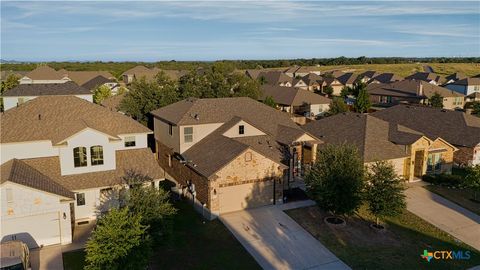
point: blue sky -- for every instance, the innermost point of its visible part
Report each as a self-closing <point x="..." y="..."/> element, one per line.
<point x="187" y="30"/>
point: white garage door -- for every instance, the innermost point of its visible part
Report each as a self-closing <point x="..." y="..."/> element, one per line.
<point x="37" y="230"/>
<point x="239" y="197"/>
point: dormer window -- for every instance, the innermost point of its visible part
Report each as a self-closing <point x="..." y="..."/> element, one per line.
<point x="80" y="157"/>
<point x="241" y="129"/>
<point x="96" y="154"/>
<point x="130" y="141"/>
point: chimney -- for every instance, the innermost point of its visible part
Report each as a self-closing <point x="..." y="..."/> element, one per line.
<point x="420" y="90"/>
<point x="39" y="117"/>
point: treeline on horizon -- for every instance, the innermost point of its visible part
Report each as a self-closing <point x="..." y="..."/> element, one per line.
<point x="117" y="68"/>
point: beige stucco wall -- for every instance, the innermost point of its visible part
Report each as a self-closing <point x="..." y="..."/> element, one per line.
<point x="249" y="130"/>
<point x="199" y="132"/>
<point x="451" y="103"/>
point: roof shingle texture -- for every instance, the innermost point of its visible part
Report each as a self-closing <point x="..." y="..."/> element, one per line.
<point x="47" y="89"/>
<point x="292" y="96"/>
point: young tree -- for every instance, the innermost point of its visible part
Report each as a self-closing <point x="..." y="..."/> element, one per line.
<point x="362" y="103"/>
<point x="151" y="203"/>
<point x="9" y="83"/>
<point x="436" y="100"/>
<point x="472" y="180"/>
<point x="145" y="96"/>
<point x="335" y="180"/>
<point x="270" y="102"/>
<point x="345" y="92"/>
<point x="476" y="108"/>
<point x="100" y="93"/>
<point x="328" y="90"/>
<point x="337" y="105"/>
<point x="384" y="190"/>
<point x="119" y="241"/>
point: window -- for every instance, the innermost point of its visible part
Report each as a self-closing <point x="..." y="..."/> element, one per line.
<point x="80" y="156"/>
<point x="434" y="163"/>
<point x="248" y="156"/>
<point x="96" y="154"/>
<point x="241" y="129"/>
<point x="9" y="195"/>
<point x="476" y="88"/>
<point x="80" y="199"/>
<point x="130" y="141"/>
<point x="188" y="134"/>
<point x="170" y="129"/>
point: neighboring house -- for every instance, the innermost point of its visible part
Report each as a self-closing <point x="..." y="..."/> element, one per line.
<point x="313" y="82"/>
<point x="410" y="152"/>
<point x="304" y="71"/>
<point x="299" y="83"/>
<point x="457" y="128"/>
<point x="412" y="91"/>
<point x="63" y="159"/>
<point x="5" y="73"/>
<point x="44" y="75"/>
<point x="366" y="76"/>
<point x="25" y="92"/>
<point x="82" y="77"/>
<point x="427" y="77"/>
<point x="475" y="96"/>
<point x="347" y="79"/>
<point x="385" y="78"/>
<point x="229" y="154"/>
<point x="336" y="85"/>
<point x="297" y="101"/>
<point x="277" y="78"/>
<point x="290" y="72"/>
<point x="454" y="77"/>
<point x="253" y="73"/>
<point x="149" y="74"/>
<point x="465" y="86"/>
<point x="101" y="80"/>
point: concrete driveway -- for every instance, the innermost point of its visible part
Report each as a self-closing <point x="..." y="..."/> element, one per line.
<point x="277" y="242"/>
<point x="442" y="213"/>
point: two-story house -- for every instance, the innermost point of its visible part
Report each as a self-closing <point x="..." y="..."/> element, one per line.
<point x="44" y="74"/>
<point x="62" y="160"/>
<point x="411" y="153"/>
<point x="25" y="92"/>
<point x="467" y="86"/>
<point x="457" y="128"/>
<point x="230" y="154"/>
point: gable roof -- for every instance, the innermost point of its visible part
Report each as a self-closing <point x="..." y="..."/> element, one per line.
<point x="410" y="88"/>
<point x="45" y="73"/>
<point x="312" y="78"/>
<point x="95" y="82"/>
<point x="467" y="81"/>
<point x="47" y="89"/>
<point x="292" y="96"/>
<point x="82" y="77"/>
<point x="369" y="74"/>
<point x="347" y="78"/>
<point x="424" y="76"/>
<point x="113" y="103"/>
<point x="386" y="78"/>
<point x="457" y="128"/>
<point x="56" y="118"/>
<point x="373" y="137"/>
<point x="455" y="76"/>
<point x="19" y="172"/>
<point x="275" y="77"/>
<point x="253" y="73"/>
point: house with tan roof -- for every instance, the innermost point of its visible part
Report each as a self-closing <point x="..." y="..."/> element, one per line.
<point x="277" y="78"/>
<point x="139" y="72"/>
<point x="385" y="77"/>
<point x="296" y="101"/>
<point x="43" y="75"/>
<point x="229" y="154"/>
<point x="466" y="86"/>
<point x="413" y="91"/>
<point x="457" y="128"/>
<point x="427" y="77"/>
<point x="330" y="81"/>
<point x="411" y="152"/>
<point x="63" y="159"/>
<point x="25" y="92"/>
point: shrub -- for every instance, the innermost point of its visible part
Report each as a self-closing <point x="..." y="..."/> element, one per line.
<point x="444" y="179"/>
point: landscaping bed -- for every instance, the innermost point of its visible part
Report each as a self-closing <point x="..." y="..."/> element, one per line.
<point x="397" y="247"/>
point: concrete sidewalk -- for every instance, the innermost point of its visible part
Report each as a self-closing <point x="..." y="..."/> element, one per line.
<point x="444" y="214"/>
<point x="277" y="242"/>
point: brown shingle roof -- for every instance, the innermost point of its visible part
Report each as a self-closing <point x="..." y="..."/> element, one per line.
<point x="424" y="76"/>
<point x="45" y="73"/>
<point x="457" y="128"/>
<point x="275" y="77"/>
<point x="468" y="81"/>
<point x="386" y="78"/>
<point x="113" y="103"/>
<point x="292" y="96"/>
<point x="138" y="160"/>
<point x="19" y="172"/>
<point x="47" y="89"/>
<point x="347" y="78"/>
<point x="371" y="135"/>
<point x="81" y="77"/>
<point x="96" y="82"/>
<point x="55" y="118"/>
<point x="410" y="88"/>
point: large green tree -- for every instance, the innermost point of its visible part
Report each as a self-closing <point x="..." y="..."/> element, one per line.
<point x="472" y="181"/>
<point x="476" y="108"/>
<point x="328" y="90"/>
<point x="101" y="93"/>
<point x="436" y="100"/>
<point x="384" y="190"/>
<point x="362" y="102"/>
<point x="119" y="241"/>
<point x="336" y="179"/>
<point x="10" y="82"/>
<point x="337" y="105"/>
<point x="145" y="96"/>
<point x="270" y="102"/>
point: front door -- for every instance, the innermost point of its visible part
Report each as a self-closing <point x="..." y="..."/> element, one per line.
<point x="418" y="169"/>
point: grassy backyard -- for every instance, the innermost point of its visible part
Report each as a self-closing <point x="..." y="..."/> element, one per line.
<point x="195" y="244"/>
<point x="399" y="247"/>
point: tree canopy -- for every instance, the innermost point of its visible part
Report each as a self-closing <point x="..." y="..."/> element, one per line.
<point x="472" y="180"/>
<point x="270" y="102"/>
<point x="362" y="102"/>
<point x="436" y="100"/>
<point x="101" y="93"/>
<point x="7" y="84"/>
<point x="337" y="105"/>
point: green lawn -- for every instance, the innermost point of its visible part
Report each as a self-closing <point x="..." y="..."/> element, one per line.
<point x="199" y="244"/>
<point x="462" y="197"/>
<point x="195" y="244"/>
<point x="399" y="247"/>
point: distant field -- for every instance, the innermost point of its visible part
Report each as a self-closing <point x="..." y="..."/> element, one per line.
<point x="469" y="69"/>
